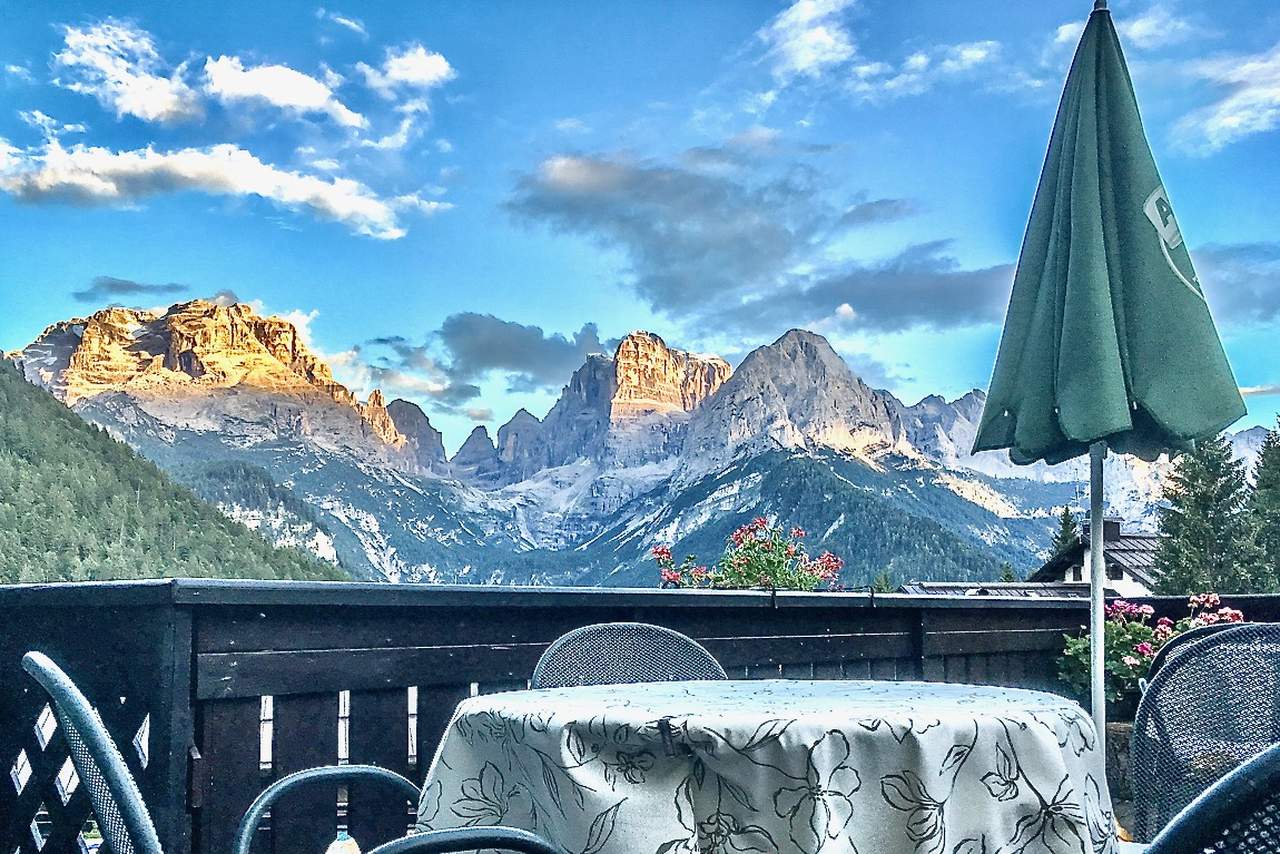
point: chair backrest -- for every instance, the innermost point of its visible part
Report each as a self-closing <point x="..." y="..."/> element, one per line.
<point x="1178" y="645"/>
<point x="623" y="653"/>
<point x="123" y="819"/>
<point x="1239" y="814"/>
<point x="1208" y="710"/>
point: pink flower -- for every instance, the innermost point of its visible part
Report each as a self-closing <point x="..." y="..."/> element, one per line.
<point x="699" y="572"/>
<point x="661" y="552"/>
<point x="797" y="533"/>
<point x="1164" y="623"/>
<point x="671" y="576"/>
<point x="1231" y="615"/>
<point x="1145" y="649"/>
<point x="1130" y="661"/>
<point x="1146" y="610"/>
<point x="759" y="523"/>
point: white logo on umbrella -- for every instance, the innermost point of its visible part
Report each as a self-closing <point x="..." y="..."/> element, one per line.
<point x="1160" y="213"/>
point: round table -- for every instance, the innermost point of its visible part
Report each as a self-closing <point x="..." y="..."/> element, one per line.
<point x="777" y="765"/>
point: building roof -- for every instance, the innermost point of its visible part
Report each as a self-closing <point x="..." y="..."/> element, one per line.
<point x="1008" y="589"/>
<point x="1133" y="553"/>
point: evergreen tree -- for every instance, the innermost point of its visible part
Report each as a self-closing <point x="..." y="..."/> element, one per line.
<point x="883" y="583"/>
<point x="1068" y="533"/>
<point x="1208" y="541"/>
<point x="1007" y="575"/>
<point x="1264" y="504"/>
<point x="76" y="505"/>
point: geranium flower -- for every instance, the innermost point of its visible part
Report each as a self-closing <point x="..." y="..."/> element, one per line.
<point x="1130" y="661"/>
<point x="1145" y="648"/>
<point x="661" y="552"/>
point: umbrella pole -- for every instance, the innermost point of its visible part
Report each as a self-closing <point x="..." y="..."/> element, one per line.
<point x="1097" y="585"/>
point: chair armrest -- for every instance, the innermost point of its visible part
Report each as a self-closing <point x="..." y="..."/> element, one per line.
<point x="328" y="774"/>
<point x="469" y="839"/>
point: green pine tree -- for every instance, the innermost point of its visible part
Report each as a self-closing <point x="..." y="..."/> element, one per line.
<point x="1209" y="541"/>
<point x="883" y="583"/>
<point x="1264" y="504"/>
<point x="1068" y="532"/>
<point x="1007" y="575"/>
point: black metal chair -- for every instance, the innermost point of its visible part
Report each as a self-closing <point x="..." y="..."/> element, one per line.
<point x="623" y="653"/>
<point x="127" y="827"/>
<point x="1178" y="645"/>
<point x="1239" y="814"/>
<point x="1208" y="710"/>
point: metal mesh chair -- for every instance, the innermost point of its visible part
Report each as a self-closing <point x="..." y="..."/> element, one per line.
<point x="1239" y="814"/>
<point x="1178" y="645"/>
<point x="126" y="825"/>
<point x="1208" y="710"/>
<point x="431" y="842"/>
<point x="623" y="653"/>
<point x="117" y="803"/>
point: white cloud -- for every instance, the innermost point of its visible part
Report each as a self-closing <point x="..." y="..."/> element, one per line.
<point x="1155" y="28"/>
<point x="48" y="125"/>
<point x="227" y="79"/>
<point x="94" y="175"/>
<point x="353" y="24"/>
<point x="301" y="321"/>
<point x="921" y="71"/>
<point x="571" y="125"/>
<point x="397" y="139"/>
<point x="118" y="64"/>
<point x="21" y="72"/>
<point x="807" y="38"/>
<point x="1250" y="103"/>
<point x="412" y="67"/>
<point x="444" y="146"/>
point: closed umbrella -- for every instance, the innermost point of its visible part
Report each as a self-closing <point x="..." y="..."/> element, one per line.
<point x="1108" y="341"/>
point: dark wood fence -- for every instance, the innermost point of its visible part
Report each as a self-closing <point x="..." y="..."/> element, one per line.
<point x="371" y="673"/>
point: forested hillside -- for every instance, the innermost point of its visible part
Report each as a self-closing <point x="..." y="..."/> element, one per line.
<point x="76" y="505"/>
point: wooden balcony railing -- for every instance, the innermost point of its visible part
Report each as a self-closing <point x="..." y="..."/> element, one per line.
<point x="371" y="673"/>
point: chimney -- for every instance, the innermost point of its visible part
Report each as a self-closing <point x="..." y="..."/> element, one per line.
<point x="1110" y="528"/>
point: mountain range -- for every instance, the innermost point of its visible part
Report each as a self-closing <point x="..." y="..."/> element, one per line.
<point x="650" y="444"/>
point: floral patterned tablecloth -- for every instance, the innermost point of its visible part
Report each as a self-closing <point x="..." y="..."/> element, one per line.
<point x="778" y="765"/>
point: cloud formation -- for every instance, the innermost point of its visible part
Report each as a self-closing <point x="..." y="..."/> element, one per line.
<point x="92" y="175"/>
<point x="412" y="67"/>
<point x="1248" y="102"/>
<point x="118" y="64"/>
<point x="480" y="343"/>
<point x="920" y="71"/>
<point x="1241" y="281"/>
<point x="347" y="22"/>
<point x="229" y="81"/>
<point x="703" y="244"/>
<point x="806" y="39"/>
<point x="920" y="287"/>
<point x="109" y="288"/>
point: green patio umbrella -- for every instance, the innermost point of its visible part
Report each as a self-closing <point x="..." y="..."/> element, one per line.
<point x="1108" y="341"/>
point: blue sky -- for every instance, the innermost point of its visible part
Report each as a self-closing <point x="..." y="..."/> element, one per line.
<point x="458" y="201"/>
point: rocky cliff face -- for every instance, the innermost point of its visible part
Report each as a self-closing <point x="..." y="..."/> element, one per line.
<point x="623" y="411"/>
<point x="651" y="377"/>
<point x="796" y="393"/>
<point x="477" y="460"/>
<point x="210" y="367"/>
<point x="425" y="441"/>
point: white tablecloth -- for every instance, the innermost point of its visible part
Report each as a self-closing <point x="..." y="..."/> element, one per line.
<point x="779" y="765"/>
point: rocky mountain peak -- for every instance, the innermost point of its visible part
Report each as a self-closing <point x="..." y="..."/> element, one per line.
<point x="477" y="460"/>
<point x="652" y="377"/>
<point x="198" y="363"/>
<point x="425" y="441"/>
<point x="794" y="393"/>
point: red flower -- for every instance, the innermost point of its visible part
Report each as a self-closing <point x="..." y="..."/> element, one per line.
<point x="759" y="523"/>
<point x="661" y="552"/>
<point x="1164" y="623"/>
<point x="671" y="576"/>
<point x="699" y="572"/>
<point x="797" y="533"/>
<point x="1145" y="648"/>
